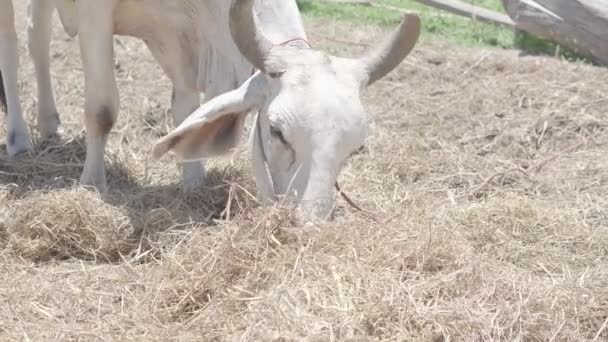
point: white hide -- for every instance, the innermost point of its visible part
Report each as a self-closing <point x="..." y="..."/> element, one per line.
<point x="310" y="116"/>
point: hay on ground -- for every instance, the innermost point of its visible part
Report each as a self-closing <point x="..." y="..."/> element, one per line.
<point x="68" y="224"/>
<point x="486" y="173"/>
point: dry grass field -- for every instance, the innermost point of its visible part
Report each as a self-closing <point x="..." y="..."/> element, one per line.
<point x="486" y="173"/>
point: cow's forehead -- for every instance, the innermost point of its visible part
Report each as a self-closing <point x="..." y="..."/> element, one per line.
<point x="305" y="69"/>
<point x="281" y="58"/>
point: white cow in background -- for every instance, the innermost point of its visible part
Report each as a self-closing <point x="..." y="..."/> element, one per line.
<point x="175" y="33"/>
<point x="310" y="117"/>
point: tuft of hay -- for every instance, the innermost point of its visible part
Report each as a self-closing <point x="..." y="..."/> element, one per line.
<point x="4" y="216"/>
<point x="201" y="272"/>
<point x="68" y="224"/>
<point x="3" y="228"/>
<point x="537" y="235"/>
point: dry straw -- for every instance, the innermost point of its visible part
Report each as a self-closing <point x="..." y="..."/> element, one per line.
<point x="488" y="172"/>
<point x="68" y="224"/>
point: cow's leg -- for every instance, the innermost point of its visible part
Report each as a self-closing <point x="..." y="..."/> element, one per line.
<point x="95" y="25"/>
<point x="183" y="103"/>
<point x="179" y="62"/>
<point x="18" y="138"/>
<point x="39" y="39"/>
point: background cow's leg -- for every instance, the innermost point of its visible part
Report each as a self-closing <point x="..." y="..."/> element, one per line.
<point x="18" y="138"/>
<point x="183" y="103"/>
<point x="39" y="39"/>
<point x="101" y="94"/>
<point x="179" y="62"/>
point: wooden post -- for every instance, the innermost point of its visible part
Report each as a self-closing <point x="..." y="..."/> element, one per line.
<point x="470" y="11"/>
<point x="581" y="25"/>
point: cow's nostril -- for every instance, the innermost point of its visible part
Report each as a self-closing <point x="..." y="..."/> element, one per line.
<point x="361" y="150"/>
<point x="316" y="210"/>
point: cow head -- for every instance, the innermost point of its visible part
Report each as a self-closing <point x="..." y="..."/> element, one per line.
<point x="310" y="117"/>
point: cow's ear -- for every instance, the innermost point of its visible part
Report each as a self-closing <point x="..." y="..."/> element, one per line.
<point x="215" y="127"/>
<point x="204" y="139"/>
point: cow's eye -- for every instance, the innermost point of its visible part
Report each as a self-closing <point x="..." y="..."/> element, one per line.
<point x="276" y="74"/>
<point x="276" y="133"/>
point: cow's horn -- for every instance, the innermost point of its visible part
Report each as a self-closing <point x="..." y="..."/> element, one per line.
<point x="248" y="37"/>
<point x="393" y="50"/>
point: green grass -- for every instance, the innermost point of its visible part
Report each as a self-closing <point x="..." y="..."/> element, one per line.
<point x="435" y="22"/>
<point x="440" y="24"/>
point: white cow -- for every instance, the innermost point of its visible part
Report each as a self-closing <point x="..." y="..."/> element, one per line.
<point x="310" y="117"/>
<point x="175" y="33"/>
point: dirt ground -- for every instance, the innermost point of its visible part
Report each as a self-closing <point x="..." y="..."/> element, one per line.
<point x="486" y="171"/>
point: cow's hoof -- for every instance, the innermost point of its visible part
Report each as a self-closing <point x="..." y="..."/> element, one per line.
<point x="53" y="130"/>
<point x="191" y="185"/>
<point x="193" y="176"/>
<point x="18" y="143"/>
<point x="91" y="183"/>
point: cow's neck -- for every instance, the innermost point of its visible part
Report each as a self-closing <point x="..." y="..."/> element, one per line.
<point x="280" y="20"/>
